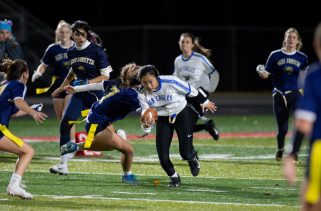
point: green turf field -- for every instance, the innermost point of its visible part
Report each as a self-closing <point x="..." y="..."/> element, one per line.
<point x="236" y="174"/>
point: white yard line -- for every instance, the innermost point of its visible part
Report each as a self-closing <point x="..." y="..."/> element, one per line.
<point x="165" y="200"/>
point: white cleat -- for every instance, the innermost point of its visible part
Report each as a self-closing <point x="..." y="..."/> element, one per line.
<point x="122" y="134"/>
<point x="17" y="190"/>
<point x="60" y="169"/>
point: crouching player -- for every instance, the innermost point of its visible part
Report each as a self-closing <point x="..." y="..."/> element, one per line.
<point x="12" y="103"/>
<point x="120" y="99"/>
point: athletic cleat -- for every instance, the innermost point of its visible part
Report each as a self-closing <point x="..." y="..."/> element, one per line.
<point x="17" y="189"/>
<point x="195" y="166"/>
<point x="60" y="169"/>
<point x="174" y="182"/>
<point x="122" y="134"/>
<point x="279" y="154"/>
<point x="70" y="147"/>
<point x="212" y="130"/>
<point x="129" y="179"/>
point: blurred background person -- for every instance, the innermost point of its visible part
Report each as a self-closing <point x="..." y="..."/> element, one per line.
<point x="9" y="46"/>
<point x="56" y="56"/>
<point x="194" y="67"/>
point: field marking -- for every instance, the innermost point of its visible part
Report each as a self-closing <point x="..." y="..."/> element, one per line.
<point x="156" y="176"/>
<point x="207" y="190"/>
<point x="165" y="200"/>
<point x="280" y="188"/>
<point x="131" y="193"/>
<point x="134" y="137"/>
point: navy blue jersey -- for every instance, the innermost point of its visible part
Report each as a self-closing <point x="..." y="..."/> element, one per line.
<point x="56" y="57"/>
<point x="114" y="105"/>
<point x="9" y="91"/>
<point x="86" y="63"/>
<point x="285" y="69"/>
<point x="310" y="104"/>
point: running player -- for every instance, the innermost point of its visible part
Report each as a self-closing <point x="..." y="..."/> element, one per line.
<point x="89" y="64"/>
<point x="119" y="100"/>
<point x="168" y="94"/>
<point x="194" y="67"/>
<point x="285" y="67"/>
<point x="12" y="103"/>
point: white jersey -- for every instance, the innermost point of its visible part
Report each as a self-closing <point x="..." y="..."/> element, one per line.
<point x="169" y="98"/>
<point x="197" y="70"/>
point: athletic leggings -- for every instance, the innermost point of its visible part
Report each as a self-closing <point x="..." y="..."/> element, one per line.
<point x="283" y="106"/>
<point x="183" y="126"/>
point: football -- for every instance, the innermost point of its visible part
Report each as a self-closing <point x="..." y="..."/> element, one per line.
<point x="148" y="115"/>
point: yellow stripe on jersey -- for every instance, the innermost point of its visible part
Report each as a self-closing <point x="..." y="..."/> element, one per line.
<point x="90" y="136"/>
<point x="312" y="194"/>
<point x="10" y="136"/>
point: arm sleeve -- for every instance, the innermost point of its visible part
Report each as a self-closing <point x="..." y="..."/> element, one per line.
<point x="90" y="87"/>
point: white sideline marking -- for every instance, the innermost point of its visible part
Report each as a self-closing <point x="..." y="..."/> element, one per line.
<point x="203" y="190"/>
<point x="280" y="188"/>
<point x="164" y="200"/>
<point x="129" y="193"/>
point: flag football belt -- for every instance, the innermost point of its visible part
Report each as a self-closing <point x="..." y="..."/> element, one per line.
<point x="84" y="113"/>
<point x="43" y="90"/>
<point x="312" y="194"/>
<point x="90" y="136"/>
<point x="6" y="132"/>
<point x="276" y="91"/>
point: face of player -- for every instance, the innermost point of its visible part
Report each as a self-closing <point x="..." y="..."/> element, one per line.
<point x="149" y="82"/>
<point x="64" y="34"/>
<point x="80" y="37"/>
<point x="4" y="34"/>
<point x="25" y="76"/>
<point x="186" y="45"/>
<point x="291" y="41"/>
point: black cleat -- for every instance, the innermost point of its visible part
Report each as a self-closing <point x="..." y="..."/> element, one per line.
<point x="174" y="182"/>
<point x="195" y="166"/>
<point x="279" y="154"/>
<point x="212" y="130"/>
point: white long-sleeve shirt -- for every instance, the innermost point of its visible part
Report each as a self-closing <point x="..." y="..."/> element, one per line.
<point x="169" y="98"/>
<point x="197" y="70"/>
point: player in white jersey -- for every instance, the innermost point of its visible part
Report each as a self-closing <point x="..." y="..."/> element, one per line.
<point x="167" y="94"/>
<point x="194" y="67"/>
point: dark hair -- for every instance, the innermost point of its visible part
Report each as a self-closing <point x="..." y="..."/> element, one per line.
<point x="148" y="70"/>
<point x="197" y="46"/>
<point x="81" y="25"/>
<point x="15" y="68"/>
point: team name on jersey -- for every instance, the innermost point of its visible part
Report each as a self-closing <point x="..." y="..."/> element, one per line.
<point x="160" y="98"/>
<point x="61" y="56"/>
<point x="187" y="69"/>
<point x="289" y="61"/>
<point x="83" y="60"/>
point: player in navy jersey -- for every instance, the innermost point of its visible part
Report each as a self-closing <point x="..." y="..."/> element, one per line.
<point x="56" y="56"/>
<point x="167" y="94"/>
<point x="194" y="67"/>
<point x="12" y="103"/>
<point x="119" y="100"/>
<point x="308" y="121"/>
<point x="285" y="66"/>
<point x="89" y="64"/>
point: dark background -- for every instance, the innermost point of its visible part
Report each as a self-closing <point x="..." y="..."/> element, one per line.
<point x="241" y="33"/>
